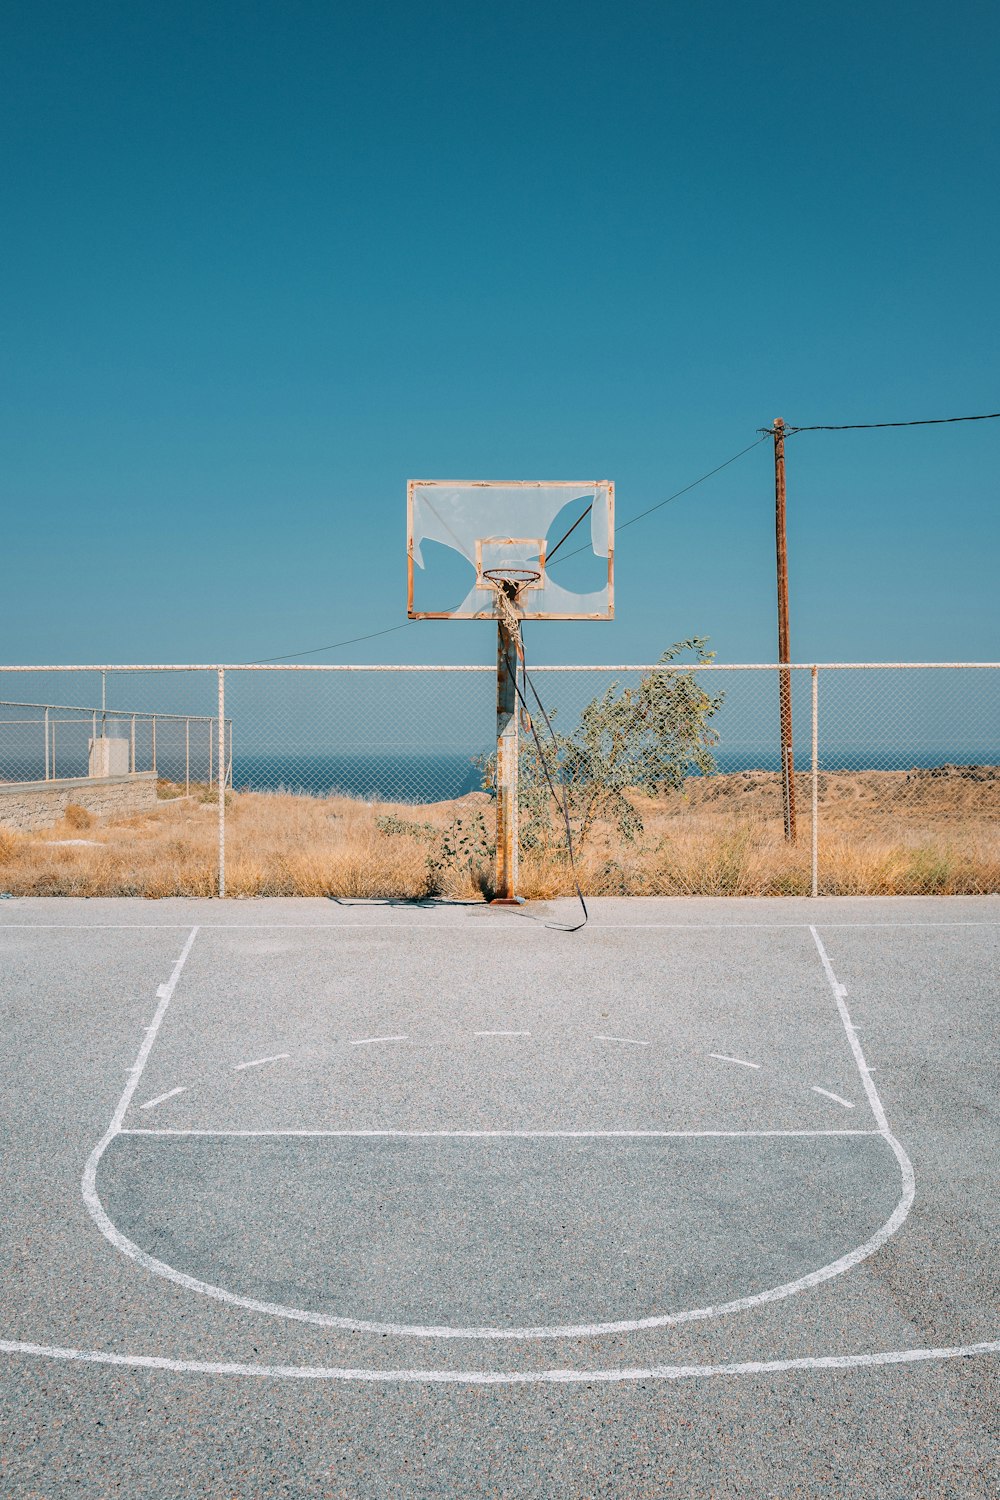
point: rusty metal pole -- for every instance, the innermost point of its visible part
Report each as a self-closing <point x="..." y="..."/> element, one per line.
<point x="784" y="678"/>
<point x="507" y="848"/>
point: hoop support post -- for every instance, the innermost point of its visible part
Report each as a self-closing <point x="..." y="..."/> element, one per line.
<point x="507" y="756"/>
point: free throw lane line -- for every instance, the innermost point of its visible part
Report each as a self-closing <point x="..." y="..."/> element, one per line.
<point x="840" y="996"/>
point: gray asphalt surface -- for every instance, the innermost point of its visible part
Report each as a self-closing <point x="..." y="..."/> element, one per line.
<point x="281" y="1022"/>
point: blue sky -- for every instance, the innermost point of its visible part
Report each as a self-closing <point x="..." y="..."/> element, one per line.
<point x="263" y="263"/>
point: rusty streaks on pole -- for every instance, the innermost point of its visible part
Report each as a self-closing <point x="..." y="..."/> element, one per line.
<point x="506" y="774"/>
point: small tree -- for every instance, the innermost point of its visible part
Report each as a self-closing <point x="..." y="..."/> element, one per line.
<point x="645" y="738"/>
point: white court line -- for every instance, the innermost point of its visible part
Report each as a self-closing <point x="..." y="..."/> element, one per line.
<point x="835" y="1097"/>
<point x="496" y="1377"/>
<point x="627" y="1041"/>
<point x="164" y="994"/>
<point x="721" y="1057"/>
<point x="161" y="1097"/>
<point x="811" y="1279"/>
<point x="365" y="1041"/>
<point x="488" y="926"/>
<point x="501" y="1033"/>
<point x="88" y="1183"/>
<point x="259" y="1062"/>
<point x="839" y="994"/>
<point x="505" y="1135"/>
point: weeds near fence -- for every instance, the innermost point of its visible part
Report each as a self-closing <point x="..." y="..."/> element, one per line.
<point x="881" y="833"/>
<point x="629" y="739"/>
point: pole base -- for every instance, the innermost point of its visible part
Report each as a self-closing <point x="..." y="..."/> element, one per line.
<point x="508" y="901"/>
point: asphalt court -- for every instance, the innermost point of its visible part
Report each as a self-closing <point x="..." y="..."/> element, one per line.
<point x="696" y="1142"/>
<point x="612" y="1221"/>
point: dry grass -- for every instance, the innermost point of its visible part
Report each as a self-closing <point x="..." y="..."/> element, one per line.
<point x="276" y="845"/>
<point x="881" y="833"/>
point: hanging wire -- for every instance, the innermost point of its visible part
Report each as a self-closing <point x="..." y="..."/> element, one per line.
<point x="562" y="802"/>
<point x="550" y="555"/>
<point x="623" y="526"/>
<point x="764" y="432"/>
<point x="355" y="640"/>
<point x="262" y="661"/>
<point x="986" y="416"/>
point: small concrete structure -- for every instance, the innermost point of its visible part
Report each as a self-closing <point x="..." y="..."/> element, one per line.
<point x="27" y="805"/>
<point x="109" y="756"/>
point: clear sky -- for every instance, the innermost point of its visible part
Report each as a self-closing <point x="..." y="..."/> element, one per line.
<point x="263" y="262"/>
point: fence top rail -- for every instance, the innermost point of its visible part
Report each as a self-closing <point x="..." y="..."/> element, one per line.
<point x="90" y="710"/>
<point x="738" y="666"/>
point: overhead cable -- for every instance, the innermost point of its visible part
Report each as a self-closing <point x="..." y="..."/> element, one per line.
<point x="354" y="640"/>
<point x="675" y="496"/>
<point x="986" y="416"/>
<point x="262" y="661"/>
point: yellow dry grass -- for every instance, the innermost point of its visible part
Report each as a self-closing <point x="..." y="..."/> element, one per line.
<point x="276" y="845"/>
<point x="881" y="833"/>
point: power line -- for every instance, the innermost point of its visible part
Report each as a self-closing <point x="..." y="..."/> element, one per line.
<point x="765" y="432"/>
<point x="675" y="496"/>
<point x="693" y="485"/>
<point x="316" y="650"/>
<point x="986" y="416"/>
<point x="335" y="647"/>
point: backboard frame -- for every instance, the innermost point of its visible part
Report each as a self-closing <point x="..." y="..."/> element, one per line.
<point x="414" y="485"/>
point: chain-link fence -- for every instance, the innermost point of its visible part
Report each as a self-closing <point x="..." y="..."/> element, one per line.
<point x="376" y="781"/>
<point x="60" y="741"/>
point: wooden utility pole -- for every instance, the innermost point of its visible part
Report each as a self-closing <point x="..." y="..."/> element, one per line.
<point x="784" y="650"/>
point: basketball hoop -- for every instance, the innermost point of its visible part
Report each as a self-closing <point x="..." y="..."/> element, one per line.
<point x="511" y="580"/>
<point x="507" y="583"/>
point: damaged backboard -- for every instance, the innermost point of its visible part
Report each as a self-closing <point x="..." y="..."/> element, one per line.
<point x="527" y="528"/>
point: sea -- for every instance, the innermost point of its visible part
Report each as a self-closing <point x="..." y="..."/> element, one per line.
<point x="439" y="778"/>
<point x="395" y="777"/>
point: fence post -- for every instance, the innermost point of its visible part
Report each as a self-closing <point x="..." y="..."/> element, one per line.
<point x="187" y="757"/>
<point x="222" y="782"/>
<point x="132" y="747"/>
<point x="47" y="775"/>
<point x="815" y="782"/>
<point x="154" y="744"/>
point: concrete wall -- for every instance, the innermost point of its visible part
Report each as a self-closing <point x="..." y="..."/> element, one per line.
<point x="25" y="805"/>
